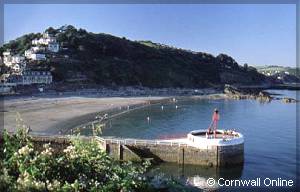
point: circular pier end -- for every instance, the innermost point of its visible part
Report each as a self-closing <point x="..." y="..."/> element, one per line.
<point x="228" y="146"/>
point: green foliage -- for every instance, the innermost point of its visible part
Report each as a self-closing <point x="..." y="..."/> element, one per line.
<point x="82" y="166"/>
<point x="272" y="69"/>
<point x="19" y="45"/>
<point x="110" y="60"/>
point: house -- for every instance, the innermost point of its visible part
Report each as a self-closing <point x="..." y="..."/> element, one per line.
<point x="4" y="77"/>
<point x="38" y="57"/>
<point x="6" y="53"/>
<point x="37" y="49"/>
<point x="38" y="42"/>
<point x="35" y="42"/>
<point x="14" y="78"/>
<point x="53" y="47"/>
<point x="7" y="58"/>
<point x="16" y="67"/>
<point x="33" y="50"/>
<point x="45" y="40"/>
<point x="49" y="36"/>
<point x="6" y="88"/>
<point x="36" y="77"/>
<point x="17" y="59"/>
<point x="28" y="53"/>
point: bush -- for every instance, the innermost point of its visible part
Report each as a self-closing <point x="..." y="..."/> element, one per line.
<point x="81" y="166"/>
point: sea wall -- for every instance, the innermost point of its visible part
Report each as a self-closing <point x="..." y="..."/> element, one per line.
<point x="218" y="156"/>
<point x="230" y="155"/>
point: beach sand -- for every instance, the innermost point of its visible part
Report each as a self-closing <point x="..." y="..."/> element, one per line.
<point x="53" y="114"/>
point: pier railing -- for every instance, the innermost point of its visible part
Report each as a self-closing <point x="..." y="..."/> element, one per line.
<point x="123" y="141"/>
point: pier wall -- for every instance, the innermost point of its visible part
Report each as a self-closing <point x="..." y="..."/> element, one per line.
<point x="230" y="155"/>
<point x="218" y="156"/>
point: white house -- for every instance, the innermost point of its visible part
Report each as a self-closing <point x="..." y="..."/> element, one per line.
<point x="34" y="41"/>
<point x="49" y="36"/>
<point x="53" y="47"/>
<point x="45" y="40"/>
<point x="16" y="67"/>
<point x="28" y="53"/>
<point x="38" y="56"/>
<point x="37" y="41"/>
<point x="7" y="58"/>
<point x="37" y="48"/>
<point x="36" y="77"/>
<point x="32" y="50"/>
<point x="17" y="59"/>
<point x="4" y="77"/>
<point x="6" y="53"/>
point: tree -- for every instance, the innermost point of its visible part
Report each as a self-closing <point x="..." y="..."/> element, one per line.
<point x="246" y="67"/>
<point x="51" y="31"/>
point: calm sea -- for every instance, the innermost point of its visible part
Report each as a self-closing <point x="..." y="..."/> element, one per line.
<point x="269" y="130"/>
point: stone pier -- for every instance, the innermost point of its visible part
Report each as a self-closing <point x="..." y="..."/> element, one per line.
<point x="181" y="151"/>
<point x="175" y="151"/>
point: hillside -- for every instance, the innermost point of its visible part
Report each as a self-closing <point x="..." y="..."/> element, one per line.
<point x="108" y="60"/>
<point x="280" y="73"/>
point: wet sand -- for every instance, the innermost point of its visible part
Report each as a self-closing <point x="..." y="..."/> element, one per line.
<point x="53" y="114"/>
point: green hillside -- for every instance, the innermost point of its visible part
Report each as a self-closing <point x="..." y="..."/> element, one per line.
<point x="279" y="69"/>
<point x="109" y="60"/>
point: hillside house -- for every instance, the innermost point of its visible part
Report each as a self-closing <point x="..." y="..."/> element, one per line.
<point x="36" y="77"/>
<point x="45" y="40"/>
<point x="53" y="47"/>
<point x="14" y="78"/>
<point x="16" y="68"/>
<point x="6" y="87"/>
<point x="33" y="50"/>
<point x="10" y="60"/>
<point x="7" y="58"/>
<point x="38" y="57"/>
<point x="4" y="77"/>
<point x="16" y="59"/>
<point x="28" y="53"/>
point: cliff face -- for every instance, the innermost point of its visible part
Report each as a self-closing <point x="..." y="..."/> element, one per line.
<point x="110" y="60"/>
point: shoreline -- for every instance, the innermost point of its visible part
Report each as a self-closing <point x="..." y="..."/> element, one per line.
<point x="130" y="91"/>
<point x="56" y="115"/>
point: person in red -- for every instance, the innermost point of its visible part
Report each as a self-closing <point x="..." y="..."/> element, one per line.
<point x="214" y="122"/>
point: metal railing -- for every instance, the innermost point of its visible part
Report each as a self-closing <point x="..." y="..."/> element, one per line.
<point x="127" y="141"/>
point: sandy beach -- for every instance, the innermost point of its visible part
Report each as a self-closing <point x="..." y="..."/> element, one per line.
<point x="50" y="115"/>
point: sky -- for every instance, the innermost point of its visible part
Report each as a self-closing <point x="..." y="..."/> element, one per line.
<point x="254" y="34"/>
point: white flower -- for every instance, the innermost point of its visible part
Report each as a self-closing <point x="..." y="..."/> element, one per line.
<point x="70" y="152"/>
<point x="69" y="149"/>
<point x="47" y="152"/>
<point x="53" y="186"/>
<point x="25" y="150"/>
